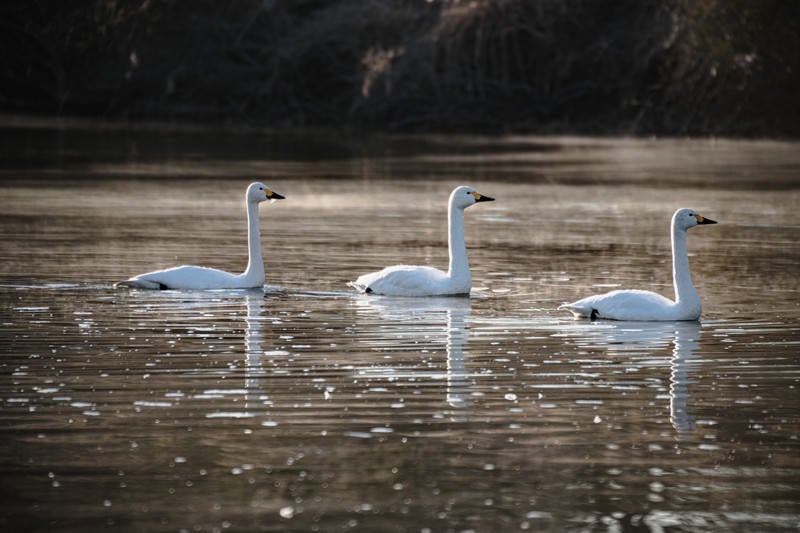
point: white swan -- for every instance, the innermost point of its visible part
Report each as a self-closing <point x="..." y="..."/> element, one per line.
<point x="404" y="280"/>
<point x="195" y="277"/>
<point x="646" y="305"/>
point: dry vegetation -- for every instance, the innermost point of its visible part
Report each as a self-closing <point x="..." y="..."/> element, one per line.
<point x="627" y="66"/>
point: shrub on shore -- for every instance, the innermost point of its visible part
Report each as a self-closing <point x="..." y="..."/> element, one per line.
<point x="723" y="67"/>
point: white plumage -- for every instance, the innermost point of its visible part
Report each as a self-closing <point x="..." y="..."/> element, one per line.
<point x="406" y="280"/>
<point x="646" y="305"/>
<point x="196" y="277"/>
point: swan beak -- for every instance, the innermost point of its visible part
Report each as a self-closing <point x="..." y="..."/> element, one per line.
<point x="481" y="198"/>
<point x="272" y="195"/>
<point x="703" y="220"/>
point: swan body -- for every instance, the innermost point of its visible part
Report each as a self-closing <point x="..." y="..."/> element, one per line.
<point x="631" y="305"/>
<point x="407" y="280"/>
<point x="646" y="305"/>
<point x="188" y="277"/>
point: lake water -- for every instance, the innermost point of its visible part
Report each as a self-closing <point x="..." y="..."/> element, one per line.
<point x="307" y="407"/>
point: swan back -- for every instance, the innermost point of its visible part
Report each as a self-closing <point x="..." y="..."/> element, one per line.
<point x="627" y="305"/>
<point x="409" y="280"/>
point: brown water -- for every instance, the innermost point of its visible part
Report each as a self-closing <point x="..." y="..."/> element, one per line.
<point x="306" y="407"/>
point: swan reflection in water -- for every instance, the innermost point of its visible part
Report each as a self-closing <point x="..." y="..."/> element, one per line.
<point x="648" y="337"/>
<point x="253" y="346"/>
<point x="685" y="343"/>
<point x="415" y="318"/>
<point x="457" y="375"/>
<point x="212" y="311"/>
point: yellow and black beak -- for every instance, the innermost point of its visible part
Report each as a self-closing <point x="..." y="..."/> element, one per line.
<point x="703" y="220"/>
<point x="481" y="198"/>
<point x="272" y="195"/>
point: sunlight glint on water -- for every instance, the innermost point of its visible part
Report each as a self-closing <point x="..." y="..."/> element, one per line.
<point x="307" y="407"/>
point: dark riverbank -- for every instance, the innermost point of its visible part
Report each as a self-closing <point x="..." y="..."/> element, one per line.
<point x="679" y="67"/>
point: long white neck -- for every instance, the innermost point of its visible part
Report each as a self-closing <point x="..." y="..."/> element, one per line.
<point x="255" y="263"/>
<point x="459" y="266"/>
<point x="685" y="293"/>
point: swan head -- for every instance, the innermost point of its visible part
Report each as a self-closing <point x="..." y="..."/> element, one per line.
<point x="258" y="192"/>
<point x="463" y="197"/>
<point x="686" y="218"/>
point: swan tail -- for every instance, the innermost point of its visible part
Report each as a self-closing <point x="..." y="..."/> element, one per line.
<point x="138" y="283"/>
<point x="363" y="289"/>
<point x="579" y="310"/>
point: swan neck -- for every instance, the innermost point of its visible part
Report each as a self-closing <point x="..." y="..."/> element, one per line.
<point x="255" y="263"/>
<point x="459" y="266"/>
<point x="681" y="276"/>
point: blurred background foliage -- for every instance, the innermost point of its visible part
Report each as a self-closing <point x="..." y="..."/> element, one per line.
<point x="671" y="67"/>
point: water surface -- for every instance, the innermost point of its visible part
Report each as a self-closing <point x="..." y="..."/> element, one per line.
<point x="304" y="406"/>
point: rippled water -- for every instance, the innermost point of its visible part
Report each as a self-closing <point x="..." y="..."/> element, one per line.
<point x="306" y="407"/>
